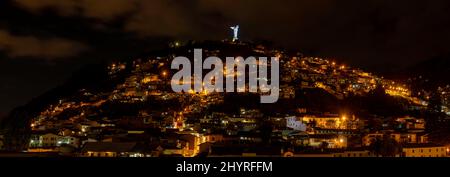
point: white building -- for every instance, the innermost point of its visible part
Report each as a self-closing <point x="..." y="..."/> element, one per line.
<point x="68" y="140"/>
<point x="292" y="122"/>
<point x="48" y="140"/>
<point x="52" y="140"/>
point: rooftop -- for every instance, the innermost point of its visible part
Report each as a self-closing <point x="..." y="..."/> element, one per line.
<point x="422" y="145"/>
<point x="109" y="147"/>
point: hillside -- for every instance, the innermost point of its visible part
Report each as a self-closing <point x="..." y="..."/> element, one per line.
<point x="123" y="93"/>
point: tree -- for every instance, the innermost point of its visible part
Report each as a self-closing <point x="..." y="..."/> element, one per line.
<point x="375" y="146"/>
<point x="435" y="103"/>
<point x="434" y="114"/>
<point x="386" y="146"/>
<point x="323" y="145"/>
<point x="266" y="131"/>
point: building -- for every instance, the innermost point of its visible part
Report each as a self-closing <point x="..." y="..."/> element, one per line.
<point x="287" y="92"/>
<point x="214" y="138"/>
<point x="111" y="149"/>
<point x="354" y="153"/>
<point x="411" y="123"/>
<point x="332" y="121"/>
<point x="179" y="148"/>
<point x="225" y="149"/>
<point x="330" y="140"/>
<point x="47" y="140"/>
<point x="292" y="122"/>
<point x="400" y="137"/>
<point x="68" y="140"/>
<point x="424" y="150"/>
<point x="330" y="153"/>
<point x="50" y="140"/>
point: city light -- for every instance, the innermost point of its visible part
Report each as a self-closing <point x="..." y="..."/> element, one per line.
<point x="327" y="107"/>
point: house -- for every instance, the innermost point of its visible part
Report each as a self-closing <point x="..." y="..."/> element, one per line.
<point x="214" y="137"/>
<point x="192" y="142"/>
<point x="287" y="92"/>
<point x="112" y="149"/>
<point x="357" y="152"/>
<point x="68" y="140"/>
<point x="88" y="140"/>
<point x="354" y="153"/>
<point x="50" y="140"/>
<point x="179" y="148"/>
<point x="331" y="121"/>
<point x="424" y="150"/>
<point x="411" y="123"/>
<point x="43" y="142"/>
<point x="400" y="137"/>
<point x="224" y="149"/>
<point x="67" y="132"/>
<point x="330" y="140"/>
<point x="410" y="137"/>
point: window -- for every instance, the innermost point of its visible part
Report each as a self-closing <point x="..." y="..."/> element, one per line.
<point x="429" y="150"/>
<point x="413" y="151"/>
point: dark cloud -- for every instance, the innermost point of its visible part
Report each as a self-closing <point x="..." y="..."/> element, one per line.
<point x="365" y="33"/>
<point x="368" y="33"/>
<point x="105" y="10"/>
<point x="145" y="18"/>
<point x="160" y="17"/>
<point x="30" y="46"/>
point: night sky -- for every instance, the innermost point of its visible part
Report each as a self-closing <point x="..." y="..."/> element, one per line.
<point x="43" y="41"/>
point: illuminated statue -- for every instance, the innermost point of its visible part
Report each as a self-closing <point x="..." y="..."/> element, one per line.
<point x="235" y="32"/>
